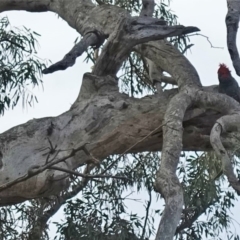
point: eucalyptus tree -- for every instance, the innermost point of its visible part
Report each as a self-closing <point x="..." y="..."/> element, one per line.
<point x="86" y="150"/>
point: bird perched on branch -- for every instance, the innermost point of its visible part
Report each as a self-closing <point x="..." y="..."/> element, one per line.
<point x="227" y="84"/>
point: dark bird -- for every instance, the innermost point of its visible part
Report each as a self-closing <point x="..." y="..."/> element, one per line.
<point x="227" y="84"/>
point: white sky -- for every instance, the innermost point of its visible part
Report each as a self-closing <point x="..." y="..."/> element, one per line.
<point x="61" y="88"/>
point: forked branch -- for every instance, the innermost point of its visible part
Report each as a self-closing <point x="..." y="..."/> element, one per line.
<point x="167" y="182"/>
<point x="228" y="123"/>
<point x="223" y="125"/>
<point x="130" y="32"/>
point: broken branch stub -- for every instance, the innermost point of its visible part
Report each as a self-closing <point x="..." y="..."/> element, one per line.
<point x="132" y="31"/>
<point x="89" y="39"/>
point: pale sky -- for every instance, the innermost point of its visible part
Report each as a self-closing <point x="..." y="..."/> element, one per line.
<point x="61" y="88"/>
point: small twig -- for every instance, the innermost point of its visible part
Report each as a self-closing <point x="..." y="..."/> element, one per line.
<point x="86" y="175"/>
<point x="187" y="47"/>
<point x="199" y="34"/>
<point x="138" y="73"/>
<point x="147" y="209"/>
<point x="49" y="155"/>
<point x="93" y="159"/>
<point x="119" y="198"/>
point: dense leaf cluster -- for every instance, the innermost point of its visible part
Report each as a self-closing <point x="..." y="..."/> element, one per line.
<point x="101" y="210"/>
<point x="19" y="65"/>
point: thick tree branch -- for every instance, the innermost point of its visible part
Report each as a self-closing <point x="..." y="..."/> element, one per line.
<point x="232" y="21"/>
<point x="170" y="59"/>
<point x="32" y="6"/>
<point x="167" y="182"/>
<point x="223" y="125"/>
<point x="215" y="101"/>
<point x="154" y="72"/>
<point x="109" y="121"/>
<point x="87" y="17"/>
<point x="226" y="124"/>
<point x="168" y="80"/>
<point x="130" y="32"/>
<point x="157" y="77"/>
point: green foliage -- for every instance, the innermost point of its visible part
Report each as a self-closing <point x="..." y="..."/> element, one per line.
<point x="100" y="210"/>
<point x="102" y="204"/>
<point x="16" y="221"/>
<point x="19" y="66"/>
<point x="204" y="195"/>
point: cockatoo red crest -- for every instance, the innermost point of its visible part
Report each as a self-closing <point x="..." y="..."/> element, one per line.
<point x="223" y="70"/>
<point x="227" y="84"/>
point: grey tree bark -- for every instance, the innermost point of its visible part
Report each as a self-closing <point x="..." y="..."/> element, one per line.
<point x="102" y="121"/>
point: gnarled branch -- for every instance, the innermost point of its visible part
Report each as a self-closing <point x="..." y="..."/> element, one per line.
<point x="130" y="32"/>
<point x="223" y="125"/>
<point x="167" y="182"/>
